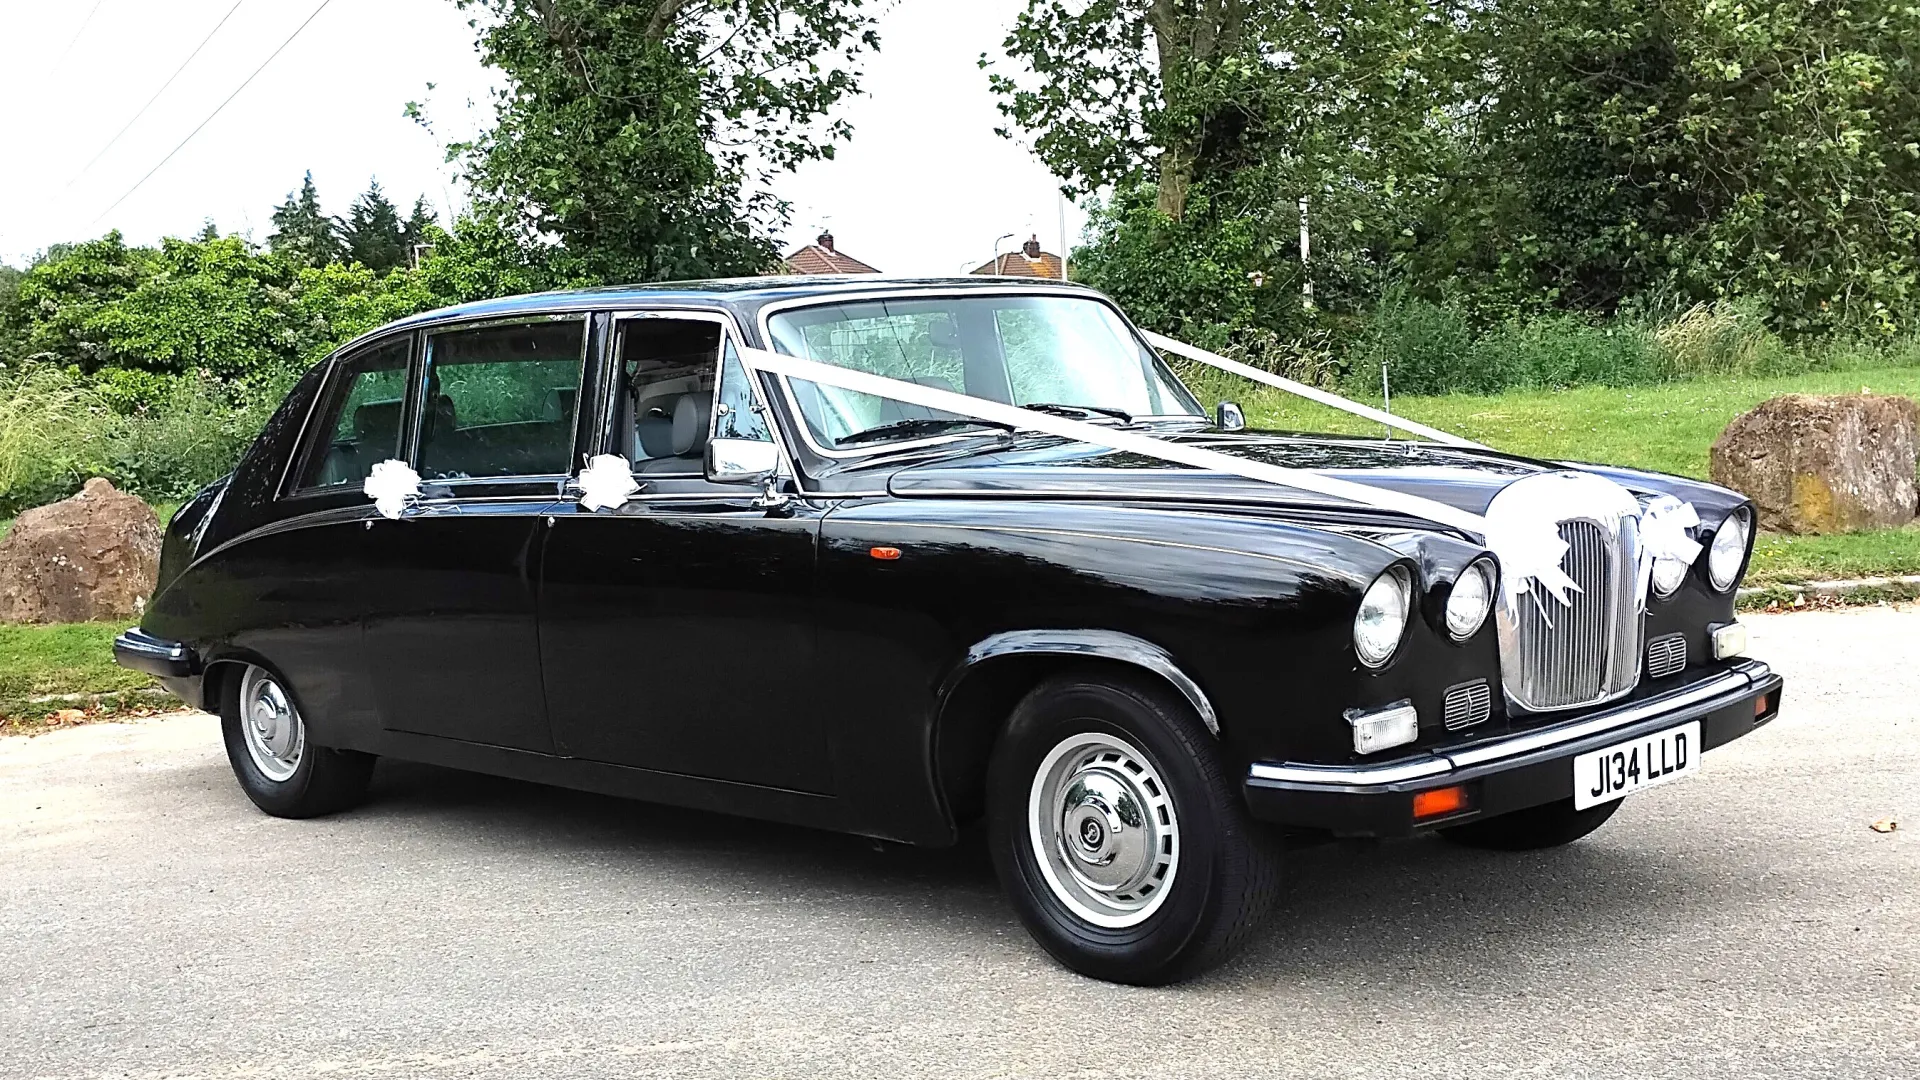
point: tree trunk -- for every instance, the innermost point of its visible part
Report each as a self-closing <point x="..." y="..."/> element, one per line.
<point x="1186" y="32"/>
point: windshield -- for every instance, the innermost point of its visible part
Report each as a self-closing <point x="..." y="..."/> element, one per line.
<point x="1054" y="351"/>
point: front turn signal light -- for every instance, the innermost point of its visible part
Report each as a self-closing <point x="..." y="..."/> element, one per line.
<point x="1439" y="802"/>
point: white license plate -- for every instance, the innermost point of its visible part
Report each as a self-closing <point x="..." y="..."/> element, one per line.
<point x="1622" y="769"/>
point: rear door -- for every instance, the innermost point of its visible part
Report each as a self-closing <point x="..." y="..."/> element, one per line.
<point x="451" y="637"/>
<point x="677" y="632"/>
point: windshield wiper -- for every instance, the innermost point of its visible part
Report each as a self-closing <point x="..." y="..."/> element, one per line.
<point x="924" y="425"/>
<point x="1079" y="411"/>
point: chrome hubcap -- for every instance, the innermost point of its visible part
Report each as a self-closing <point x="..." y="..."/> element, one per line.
<point x="275" y="735"/>
<point x="1103" y="830"/>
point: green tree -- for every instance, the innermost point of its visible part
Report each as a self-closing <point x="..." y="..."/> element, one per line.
<point x="420" y="229"/>
<point x="372" y="231"/>
<point x="642" y="135"/>
<point x="302" y="231"/>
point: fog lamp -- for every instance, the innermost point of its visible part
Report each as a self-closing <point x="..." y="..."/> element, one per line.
<point x="1395" y="725"/>
<point x="1729" y="641"/>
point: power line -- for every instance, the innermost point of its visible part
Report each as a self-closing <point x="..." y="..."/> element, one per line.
<point x="210" y="116"/>
<point x="75" y="39"/>
<point x="156" y="94"/>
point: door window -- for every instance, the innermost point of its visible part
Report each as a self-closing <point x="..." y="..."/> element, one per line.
<point x="666" y="394"/>
<point x="360" y="424"/>
<point x="500" y="401"/>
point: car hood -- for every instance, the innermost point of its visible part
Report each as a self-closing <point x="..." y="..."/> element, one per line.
<point x="1463" y="478"/>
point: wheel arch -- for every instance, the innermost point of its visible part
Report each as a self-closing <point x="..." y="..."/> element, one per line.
<point x="978" y="694"/>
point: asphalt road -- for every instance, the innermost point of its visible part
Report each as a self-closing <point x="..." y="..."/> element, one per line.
<point x="1744" y="924"/>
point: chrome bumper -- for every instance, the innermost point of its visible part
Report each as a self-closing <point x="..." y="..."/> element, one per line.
<point x="1739" y="683"/>
<point x="140" y="651"/>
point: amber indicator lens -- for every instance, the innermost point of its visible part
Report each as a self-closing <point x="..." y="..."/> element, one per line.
<point x="1446" y="800"/>
<point x="885" y="554"/>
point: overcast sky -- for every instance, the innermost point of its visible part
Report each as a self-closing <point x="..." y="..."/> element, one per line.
<point x="924" y="188"/>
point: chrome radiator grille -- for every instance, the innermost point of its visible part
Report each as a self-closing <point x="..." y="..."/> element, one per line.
<point x="1555" y="656"/>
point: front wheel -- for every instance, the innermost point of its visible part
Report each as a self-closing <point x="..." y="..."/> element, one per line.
<point x="279" y="769"/>
<point x="1534" y="828"/>
<point x="1118" y="834"/>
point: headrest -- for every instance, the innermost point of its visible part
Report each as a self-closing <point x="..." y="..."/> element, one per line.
<point x="690" y="415"/>
<point x="377" y="420"/>
<point x="655" y="428"/>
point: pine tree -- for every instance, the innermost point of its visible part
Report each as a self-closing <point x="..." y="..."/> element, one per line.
<point x="302" y="231"/>
<point x="419" y="228"/>
<point x="373" y="233"/>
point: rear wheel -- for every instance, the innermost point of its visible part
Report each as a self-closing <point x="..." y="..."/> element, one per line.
<point x="267" y="745"/>
<point x="1551" y="825"/>
<point x="1118" y="835"/>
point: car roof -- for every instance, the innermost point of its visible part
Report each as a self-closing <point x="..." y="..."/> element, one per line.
<point x="745" y="296"/>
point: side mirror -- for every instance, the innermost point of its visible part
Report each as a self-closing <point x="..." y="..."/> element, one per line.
<point x="741" y="461"/>
<point x="1228" y="417"/>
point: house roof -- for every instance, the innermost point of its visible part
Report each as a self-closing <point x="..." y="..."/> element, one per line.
<point x="1029" y="261"/>
<point x="821" y="257"/>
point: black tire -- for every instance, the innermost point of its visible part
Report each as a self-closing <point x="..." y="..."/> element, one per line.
<point x="1534" y="828"/>
<point x="323" y="781"/>
<point x="1227" y="870"/>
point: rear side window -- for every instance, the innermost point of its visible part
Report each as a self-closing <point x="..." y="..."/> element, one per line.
<point x="500" y="401"/>
<point x="359" y="426"/>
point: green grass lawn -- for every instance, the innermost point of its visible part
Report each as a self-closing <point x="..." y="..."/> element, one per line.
<point x="73" y="666"/>
<point x="1669" y="428"/>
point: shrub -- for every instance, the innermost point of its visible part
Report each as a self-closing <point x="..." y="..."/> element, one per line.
<point x="50" y="435"/>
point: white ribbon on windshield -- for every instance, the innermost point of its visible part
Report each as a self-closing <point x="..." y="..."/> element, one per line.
<point x="1528" y="544"/>
<point x="1027" y="420"/>
<point x="1311" y="393"/>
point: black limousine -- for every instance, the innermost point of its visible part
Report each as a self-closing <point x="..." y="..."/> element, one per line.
<point x="588" y="539"/>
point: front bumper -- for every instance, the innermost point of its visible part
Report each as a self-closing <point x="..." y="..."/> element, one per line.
<point x="1501" y="775"/>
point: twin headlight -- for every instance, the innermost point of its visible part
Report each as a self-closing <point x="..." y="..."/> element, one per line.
<point x="1726" y="557"/>
<point x="1388" y="604"/>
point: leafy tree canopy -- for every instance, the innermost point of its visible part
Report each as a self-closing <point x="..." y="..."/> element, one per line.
<point x="642" y="135"/>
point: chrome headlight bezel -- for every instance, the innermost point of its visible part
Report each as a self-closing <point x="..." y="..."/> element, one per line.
<point x="1727" y="554"/>
<point x="1461" y="620"/>
<point x="1380" y="625"/>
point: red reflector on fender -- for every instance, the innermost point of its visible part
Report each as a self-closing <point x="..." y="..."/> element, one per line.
<point x="1439" y="801"/>
<point x="885" y="554"/>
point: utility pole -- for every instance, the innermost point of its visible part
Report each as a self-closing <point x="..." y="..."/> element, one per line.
<point x="1306" y="286"/>
<point x="1063" y="236"/>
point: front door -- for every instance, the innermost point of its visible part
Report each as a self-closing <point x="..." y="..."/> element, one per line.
<point x="676" y="633"/>
<point x="452" y="640"/>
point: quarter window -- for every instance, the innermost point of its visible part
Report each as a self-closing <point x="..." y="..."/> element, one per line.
<point x="739" y="411"/>
<point x="501" y="401"/>
<point x="360" y="426"/>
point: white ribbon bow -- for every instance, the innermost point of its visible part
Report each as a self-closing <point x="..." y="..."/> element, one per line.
<point x="392" y="485"/>
<point x="606" y="483"/>
<point x="1530" y="550"/>
<point x="1663" y="535"/>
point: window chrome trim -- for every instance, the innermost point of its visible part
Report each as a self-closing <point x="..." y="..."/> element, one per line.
<point x="1727" y="684"/>
<point x="729" y="329"/>
<point x="411" y="434"/>
<point x="298" y="459"/>
<point x="1079" y="292"/>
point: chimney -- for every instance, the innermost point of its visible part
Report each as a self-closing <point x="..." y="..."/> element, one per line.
<point x="1032" y="247"/>
<point x="825" y="240"/>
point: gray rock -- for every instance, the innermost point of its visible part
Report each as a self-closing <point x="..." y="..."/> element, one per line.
<point x="94" y="556"/>
<point x="1823" y="464"/>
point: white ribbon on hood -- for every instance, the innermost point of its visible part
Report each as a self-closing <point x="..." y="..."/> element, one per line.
<point x="1524" y="539"/>
<point x="393" y="486"/>
<point x="606" y="483"/>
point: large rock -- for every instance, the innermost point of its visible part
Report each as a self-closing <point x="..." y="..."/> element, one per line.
<point x="94" y="556"/>
<point x="1823" y="464"/>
